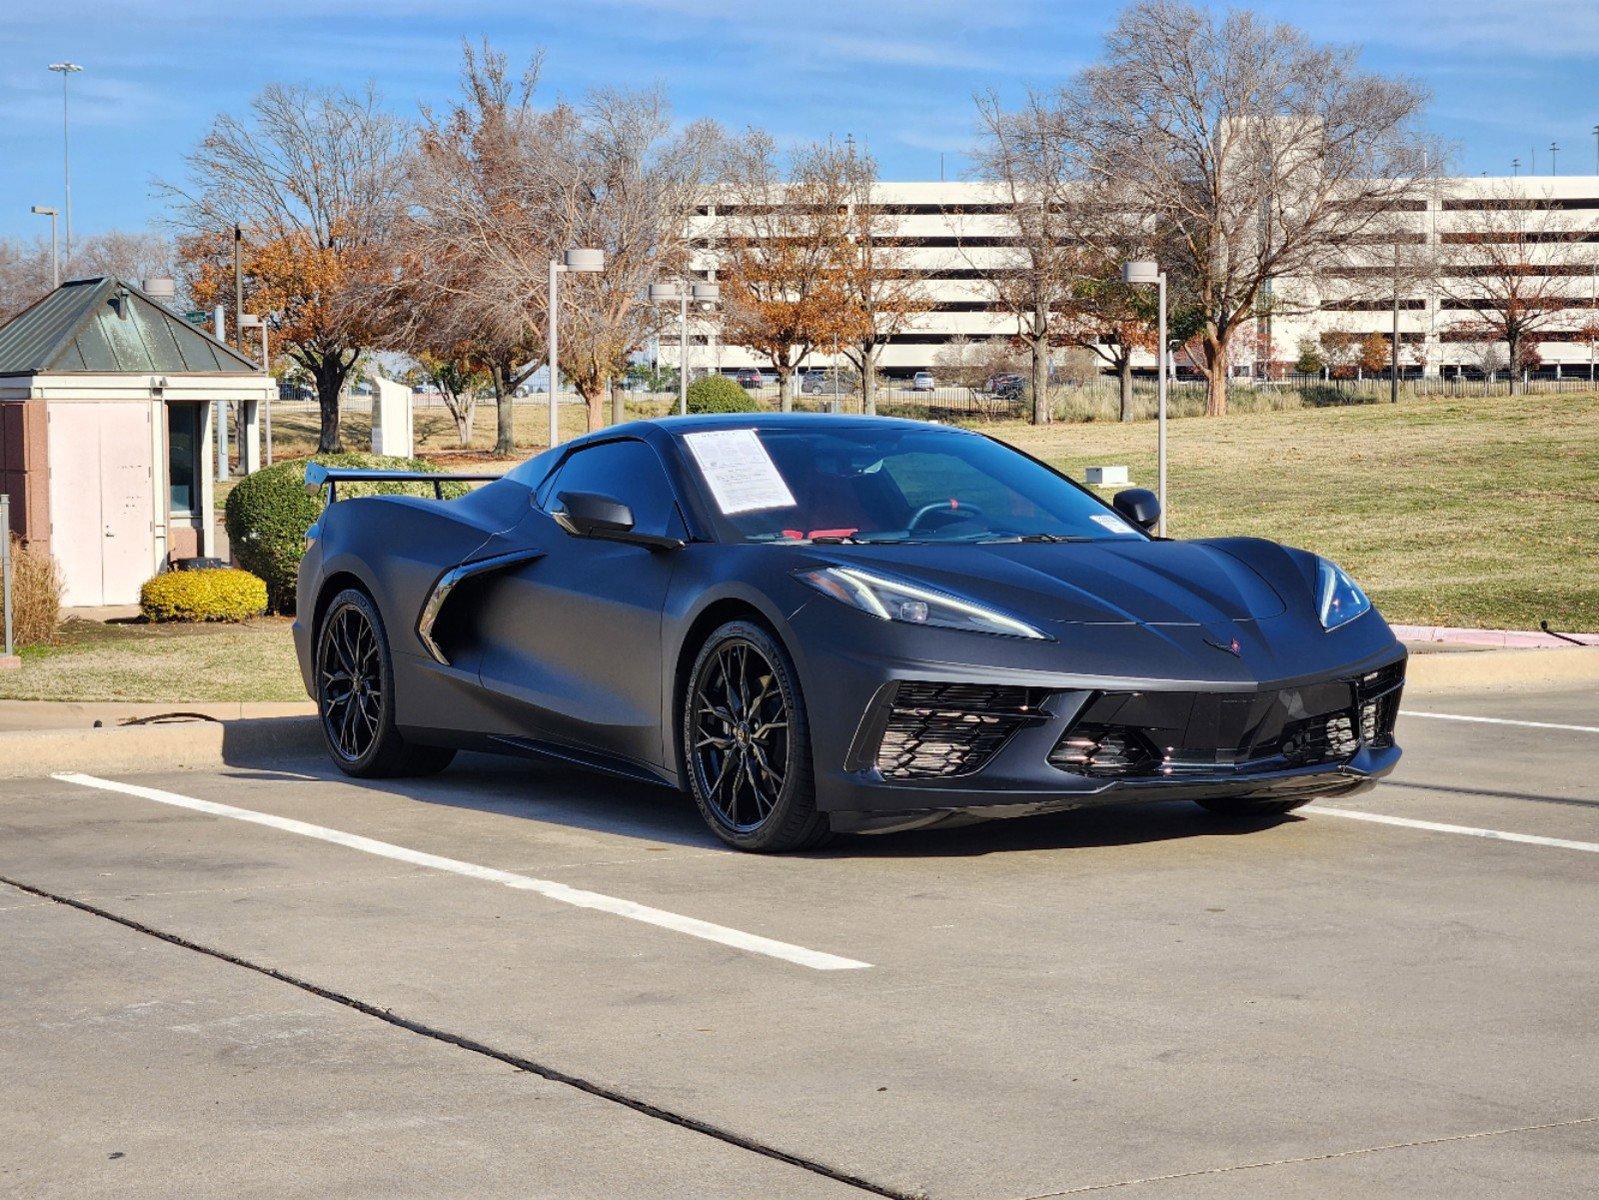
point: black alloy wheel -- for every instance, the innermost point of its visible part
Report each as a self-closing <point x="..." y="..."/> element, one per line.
<point x="746" y="744"/>
<point x="350" y="683"/>
<point x="355" y="695"/>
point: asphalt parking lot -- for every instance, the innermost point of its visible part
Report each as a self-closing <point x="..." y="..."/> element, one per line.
<point x="514" y="981"/>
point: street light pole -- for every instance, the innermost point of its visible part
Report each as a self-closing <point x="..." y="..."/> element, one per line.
<point x="682" y="352"/>
<point x="1144" y="272"/>
<point x="1554" y="149"/>
<point x="65" y="69"/>
<point x="572" y="260"/>
<point x="704" y="295"/>
<point x="55" y="247"/>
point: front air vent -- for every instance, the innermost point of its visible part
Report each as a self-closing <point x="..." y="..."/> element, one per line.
<point x="936" y="730"/>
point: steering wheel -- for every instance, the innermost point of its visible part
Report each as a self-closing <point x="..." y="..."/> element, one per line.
<point x="959" y="511"/>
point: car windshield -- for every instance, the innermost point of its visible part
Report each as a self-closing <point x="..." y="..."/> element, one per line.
<point x="894" y="484"/>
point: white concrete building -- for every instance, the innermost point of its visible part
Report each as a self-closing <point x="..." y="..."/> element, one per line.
<point x="951" y="230"/>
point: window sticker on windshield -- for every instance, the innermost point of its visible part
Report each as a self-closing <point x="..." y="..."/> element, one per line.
<point x="1114" y="524"/>
<point x="738" y="470"/>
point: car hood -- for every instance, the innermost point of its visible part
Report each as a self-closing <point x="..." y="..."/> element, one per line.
<point x="1150" y="583"/>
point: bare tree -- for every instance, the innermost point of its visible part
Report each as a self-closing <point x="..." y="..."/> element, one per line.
<point x="1255" y="153"/>
<point x="132" y="255"/>
<point x="479" y="227"/>
<point x="626" y="185"/>
<point x="884" y="283"/>
<point x="783" y="254"/>
<point x="1506" y="262"/>
<point x="1031" y="276"/>
<point x="311" y="176"/>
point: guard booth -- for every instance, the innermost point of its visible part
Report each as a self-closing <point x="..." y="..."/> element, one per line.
<point x="106" y="434"/>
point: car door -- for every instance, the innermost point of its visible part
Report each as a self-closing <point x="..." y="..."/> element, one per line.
<point x="572" y="639"/>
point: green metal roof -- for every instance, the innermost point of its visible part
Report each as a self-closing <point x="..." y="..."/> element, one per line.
<point x="107" y="327"/>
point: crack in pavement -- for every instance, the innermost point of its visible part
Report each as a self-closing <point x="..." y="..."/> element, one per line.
<point x="473" y="1046"/>
<point x="1312" y="1158"/>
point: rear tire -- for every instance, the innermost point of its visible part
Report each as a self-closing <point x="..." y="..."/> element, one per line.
<point x="355" y="695"/>
<point x="1237" y="809"/>
<point x="747" y="744"/>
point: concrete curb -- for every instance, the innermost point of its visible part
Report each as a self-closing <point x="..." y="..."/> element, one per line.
<point x="1501" y="670"/>
<point x="266" y="740"/>
<point x="259" y="742"/>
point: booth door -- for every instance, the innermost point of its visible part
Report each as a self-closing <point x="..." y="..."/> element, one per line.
<point x="102" y="500"/>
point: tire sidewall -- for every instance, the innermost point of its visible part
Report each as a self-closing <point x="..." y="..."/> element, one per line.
<point x="795" y="809"/>
<point x="385" y="736"/>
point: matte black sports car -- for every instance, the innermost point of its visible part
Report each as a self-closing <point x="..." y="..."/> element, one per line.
<point x="833" y="623"/>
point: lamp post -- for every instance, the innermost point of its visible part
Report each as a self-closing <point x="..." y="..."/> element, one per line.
<point x="1142" y="273"/>
<point x="40" y="210"/>
<point x="704" y="295"/>
<point x="66" y="70"/>
<point x="1554" y="149"/>
<point x="572" y="260"/>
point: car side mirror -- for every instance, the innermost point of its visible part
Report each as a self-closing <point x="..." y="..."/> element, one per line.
<point x="1140" y="506"/>
<point x="591" y="515"/>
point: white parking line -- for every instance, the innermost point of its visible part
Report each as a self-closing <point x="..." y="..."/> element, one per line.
<point x="753" y="943"/>
<point x="1498" y="835"/>
<point x="1407" y="712"/>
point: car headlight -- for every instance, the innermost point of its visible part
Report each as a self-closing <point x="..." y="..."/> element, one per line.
<point x="898" y="600"/>
<point x="1339" y="599"/>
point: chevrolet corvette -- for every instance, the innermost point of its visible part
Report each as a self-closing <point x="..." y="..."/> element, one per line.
<point x="815" y="624"/>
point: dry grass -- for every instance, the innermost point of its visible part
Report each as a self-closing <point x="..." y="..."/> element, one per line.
<point x="90" y="660"/>
<point x="35" y="595"/>
<point x="1476" y="512"/>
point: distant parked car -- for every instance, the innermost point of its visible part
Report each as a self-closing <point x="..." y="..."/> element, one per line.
<point x="813" y="383"/>
<point x="1007" y="387"/>
<point x="750" y="378"/>
<point x="923" y="381"/>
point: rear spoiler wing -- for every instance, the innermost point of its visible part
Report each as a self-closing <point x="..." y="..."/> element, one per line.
<point x="317" y="476"/>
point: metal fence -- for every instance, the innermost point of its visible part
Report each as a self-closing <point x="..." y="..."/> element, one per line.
<point x="1097" y="399"/>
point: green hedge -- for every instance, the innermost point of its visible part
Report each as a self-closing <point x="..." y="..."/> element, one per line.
<point x="215" y="595"/>
<point x="269" y="512"/>
<point x="719" y="394"/>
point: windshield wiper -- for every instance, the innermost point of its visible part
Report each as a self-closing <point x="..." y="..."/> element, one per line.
<point x="1041" y="537"/>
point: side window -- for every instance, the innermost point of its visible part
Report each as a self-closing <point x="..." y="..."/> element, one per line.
<point x="627" y="471"/>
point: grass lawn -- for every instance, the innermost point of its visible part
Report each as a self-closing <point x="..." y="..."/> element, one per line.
<point x="1477" y="512"/>
<point x="90" y="660"/>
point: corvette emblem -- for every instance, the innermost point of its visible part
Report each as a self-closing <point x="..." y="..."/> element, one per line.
<point x="1231" y="647"/>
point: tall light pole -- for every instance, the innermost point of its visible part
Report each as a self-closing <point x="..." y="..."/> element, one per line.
<point x="1143" y="273"/>
<point x="1554" y="149"/>
<point x="66" y="69"/>
<point x="42" y="210"/>
<point x="704" y="295"/>
<point x="572" y="260"/>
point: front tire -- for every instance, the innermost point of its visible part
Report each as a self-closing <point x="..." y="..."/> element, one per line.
<point x="746" y="743"/>
<point x="355" y="695"/>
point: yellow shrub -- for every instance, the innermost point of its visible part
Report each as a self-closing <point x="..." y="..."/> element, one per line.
<point x="215" y="595"/>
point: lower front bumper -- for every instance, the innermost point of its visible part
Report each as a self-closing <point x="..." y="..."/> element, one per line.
<point x="1244" y="742"/>
<point x="874" y="805"/>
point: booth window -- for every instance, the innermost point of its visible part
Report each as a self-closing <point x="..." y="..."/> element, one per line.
<point x="183" y="456"/>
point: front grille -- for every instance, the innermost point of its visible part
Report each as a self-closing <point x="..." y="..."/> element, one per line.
<point x="935" y="730"/>
<point x="1143" y="734"/>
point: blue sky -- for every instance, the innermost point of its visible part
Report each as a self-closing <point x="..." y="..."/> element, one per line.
<point x="1506" y="75"/>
